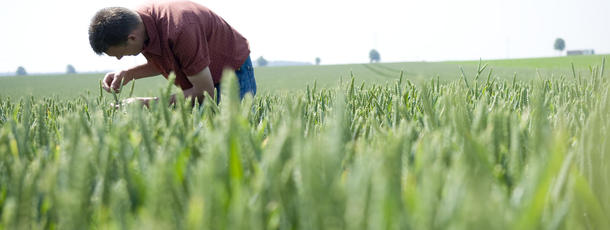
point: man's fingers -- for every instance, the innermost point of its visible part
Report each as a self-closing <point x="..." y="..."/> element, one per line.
<point x="106" y="87"/>
<point x="116" y="84"/>
<point x="112" y="81"/>
<point x="107" y="82"/>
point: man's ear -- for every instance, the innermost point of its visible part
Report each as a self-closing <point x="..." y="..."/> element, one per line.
<point x="132" y="37"/>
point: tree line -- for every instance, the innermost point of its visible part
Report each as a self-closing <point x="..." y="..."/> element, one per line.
<point x="22" y="72"/>
<point x="374" y="56"/>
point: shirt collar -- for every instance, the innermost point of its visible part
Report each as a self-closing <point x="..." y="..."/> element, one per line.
<point x="154" y="45"/>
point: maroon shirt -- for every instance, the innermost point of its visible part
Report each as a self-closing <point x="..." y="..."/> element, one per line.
<point x="186" y="37"/>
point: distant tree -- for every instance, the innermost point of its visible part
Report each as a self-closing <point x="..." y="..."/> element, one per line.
<point x="261" y="61"/>
<point x="374" y="56"/>
<point x="70" y="69"/>
<point x="560" y="44"/>
<point x="21" y="71"/>
<point x="318" y="61"/>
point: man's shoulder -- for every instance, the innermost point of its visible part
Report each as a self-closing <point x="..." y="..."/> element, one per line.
<point x="174" y="13"/>
<point x="171" y="6"/>
<point x="171" y="19"/>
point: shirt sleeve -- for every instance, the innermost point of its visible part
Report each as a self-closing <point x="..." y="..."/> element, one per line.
<point x="191" y="49"/>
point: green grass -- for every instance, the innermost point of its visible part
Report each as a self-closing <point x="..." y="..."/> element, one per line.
<point x="546" y="63"/>
<point x="461" y="153"/>
<point x="67" y="86"/>
<point x="553" y="67"/>
<point x="286" y="79"/>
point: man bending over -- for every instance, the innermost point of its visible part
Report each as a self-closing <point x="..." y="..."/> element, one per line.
<point x="179" y="36"/>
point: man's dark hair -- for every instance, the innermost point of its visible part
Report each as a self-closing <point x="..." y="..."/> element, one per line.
<point x="110" y="27"/>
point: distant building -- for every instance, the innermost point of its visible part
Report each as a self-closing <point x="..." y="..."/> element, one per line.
<point x="580" y="52"/>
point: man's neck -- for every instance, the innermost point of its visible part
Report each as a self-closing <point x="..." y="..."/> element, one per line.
<point x="144" y="33"/>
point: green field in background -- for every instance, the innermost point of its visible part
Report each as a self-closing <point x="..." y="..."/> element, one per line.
<point x="289" y="78"/>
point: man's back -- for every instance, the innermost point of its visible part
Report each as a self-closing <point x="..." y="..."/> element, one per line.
<point x="186" y="37"/>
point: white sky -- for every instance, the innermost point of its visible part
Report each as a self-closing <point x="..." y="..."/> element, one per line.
<point x="46" y="35"/>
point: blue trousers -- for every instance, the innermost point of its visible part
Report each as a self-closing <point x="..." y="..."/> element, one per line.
<point x="245" y="78"/>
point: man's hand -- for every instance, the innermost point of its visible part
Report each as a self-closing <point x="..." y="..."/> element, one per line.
<point x="112" y="81"/>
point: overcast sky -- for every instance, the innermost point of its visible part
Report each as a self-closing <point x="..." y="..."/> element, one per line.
<point x="45" y="36"/>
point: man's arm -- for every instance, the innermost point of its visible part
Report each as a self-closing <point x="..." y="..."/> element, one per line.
<point x="143" y="71"/>
<point x="202" y="83"/>
<point x="113" y="80"/>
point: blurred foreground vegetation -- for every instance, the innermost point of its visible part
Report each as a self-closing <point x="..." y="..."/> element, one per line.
<point x="479" y="152"/>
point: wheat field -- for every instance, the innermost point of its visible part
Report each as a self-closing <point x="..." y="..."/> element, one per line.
<point x="482" y="151"/>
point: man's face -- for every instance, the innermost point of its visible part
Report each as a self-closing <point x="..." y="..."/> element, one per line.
<point x="132" y="48"/>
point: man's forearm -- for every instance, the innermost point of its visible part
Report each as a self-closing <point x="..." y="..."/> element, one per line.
<point x="202" y="83"/>
<point x="142" y="71"/>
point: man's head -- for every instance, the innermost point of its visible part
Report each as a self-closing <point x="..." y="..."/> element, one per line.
<point x="117" y="31"/>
